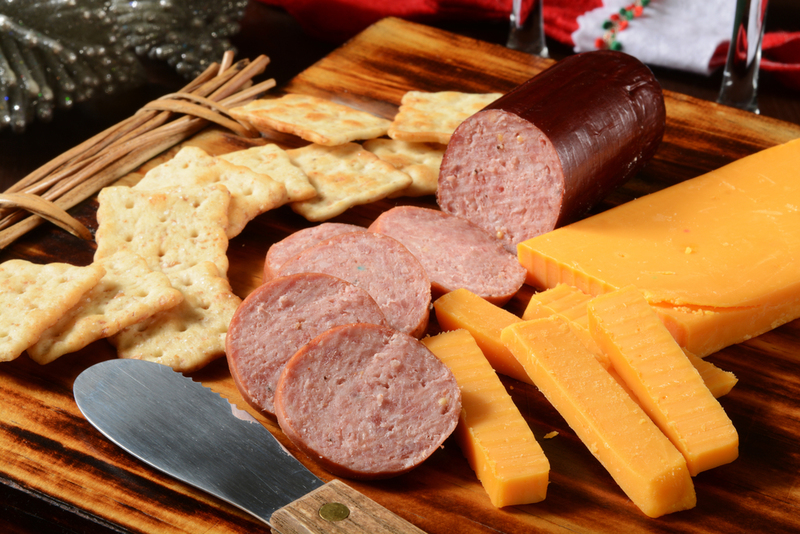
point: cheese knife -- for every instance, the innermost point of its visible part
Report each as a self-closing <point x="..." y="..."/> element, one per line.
<point x="186" y="430"/>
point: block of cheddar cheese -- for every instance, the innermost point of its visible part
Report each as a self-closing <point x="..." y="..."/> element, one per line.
<point x="718" y="256"/>
<point x="495" y="438"/>
<point x="668" y="386"/>
<point x="643" y="462"/>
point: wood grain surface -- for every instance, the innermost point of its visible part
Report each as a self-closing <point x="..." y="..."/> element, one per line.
<point x="56" y="463"/>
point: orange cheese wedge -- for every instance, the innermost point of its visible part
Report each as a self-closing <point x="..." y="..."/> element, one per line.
<point x="495" y="438"/>
<point x="718" y="255"/>
<point x="645" y="464"/>
<point x="668" y="386"/>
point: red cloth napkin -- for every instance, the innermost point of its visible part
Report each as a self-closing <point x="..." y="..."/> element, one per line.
<point x="339" y="20"/>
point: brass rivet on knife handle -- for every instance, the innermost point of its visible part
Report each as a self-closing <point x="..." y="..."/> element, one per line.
<point x="365" y="515"/>
<point x="334" y="511"/>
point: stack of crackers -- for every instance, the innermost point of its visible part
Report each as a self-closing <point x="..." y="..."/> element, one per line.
<point x="399" y="157"/>
<point x="157" y="288"/>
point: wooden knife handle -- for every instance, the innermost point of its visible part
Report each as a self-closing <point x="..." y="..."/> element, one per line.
<point x="337" y="508"/>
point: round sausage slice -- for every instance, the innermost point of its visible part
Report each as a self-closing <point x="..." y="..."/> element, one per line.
<point x="297" y="242"/>
<point x="543" y="154"/>
<point x="281" y="316"/>
<point x="454" y="252"/>
<point x="381" y="266"/>
<point x="367" y="401"/>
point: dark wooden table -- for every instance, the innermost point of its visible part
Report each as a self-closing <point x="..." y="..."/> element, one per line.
<point x="272" y="32"/>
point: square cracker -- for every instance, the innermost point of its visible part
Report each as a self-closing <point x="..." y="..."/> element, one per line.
<point x="129" y="292"/>
<point x="344" y="176"/>
<point x="273" y="161"/>
<point x="421" y="161"/>
<point x="171" y="229"/>
<point x="252" y="193"/>
<point x="33" y="297"/>
<point x="433" y="117"/>
<point x="312" y="118"/>
<point x="190" y="335"/>
<point x="215" y="140"/>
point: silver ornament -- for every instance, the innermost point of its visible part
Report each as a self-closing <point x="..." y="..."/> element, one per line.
<point x="54" y="53"/>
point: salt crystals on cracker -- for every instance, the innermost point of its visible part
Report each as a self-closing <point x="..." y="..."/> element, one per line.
<point x="344" y="176"/>
<point x="433" y="117"/>
<point x="129" y="292"/>
<point x="171" y="229"/>
<point x="273" y="161"/>
<point x="421" y="161"/>
<point x="33" y="297"/>
<point x="190" y="335"/>
<point x="312" y="118"/>
<point x="252" y="193"/>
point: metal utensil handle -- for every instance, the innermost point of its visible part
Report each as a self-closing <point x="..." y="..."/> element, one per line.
<point x="527" y="34"/>
<point x="740" y="78"/>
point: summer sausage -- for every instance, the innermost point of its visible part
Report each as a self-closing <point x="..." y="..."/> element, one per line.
<point x="381" y="266"/>
<point x="295" y="243"/>
<point x="543" y="154"/>
<point x="454" y="252"/>
<point x="367" y="401"/>
<point x="281" y="316"/>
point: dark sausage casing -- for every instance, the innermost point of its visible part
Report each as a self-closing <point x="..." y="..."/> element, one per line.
<point x="543" y="154"/>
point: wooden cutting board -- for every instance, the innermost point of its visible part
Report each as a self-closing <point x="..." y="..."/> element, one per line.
<point x="65" y="474"/>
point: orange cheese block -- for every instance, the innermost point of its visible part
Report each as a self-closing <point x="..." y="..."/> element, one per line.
<point x="645" y="464"/>
<point x="464" y="309"/>
<point x="718" y="255"/>
<point x="571" y="303"/>
<point x="493" y="435"/>
<point x="668" y="386"/>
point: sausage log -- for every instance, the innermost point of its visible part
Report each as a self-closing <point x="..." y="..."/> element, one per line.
<point x="546" y="152"/>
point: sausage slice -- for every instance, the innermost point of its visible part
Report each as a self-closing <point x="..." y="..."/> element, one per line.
<point x="454" y="252"/>
<point x="546" y="152"/>
<point x="297" y="242"/>
<point x="367" y="401"/>
<point x="281" y="316"/>
<point x="381" y="266"/>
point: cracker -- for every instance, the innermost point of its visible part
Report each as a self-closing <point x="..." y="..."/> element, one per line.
<point x="344" y="176"/>
<point x="129" y="292"/>
<point x="433" y="117"/>
<point x="421" y="161"/>
<point x="171" y="229"/>
<point x="273" y="161"/>
<point x="251" y="193"/>
<point x="312" y="118"/>
<point x="190" y="335"/>
<point x="33" y="297"/>
<point x="215" y="140"/>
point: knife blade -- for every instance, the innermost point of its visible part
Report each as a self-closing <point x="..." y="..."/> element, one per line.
<point x="191" y="433"/>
